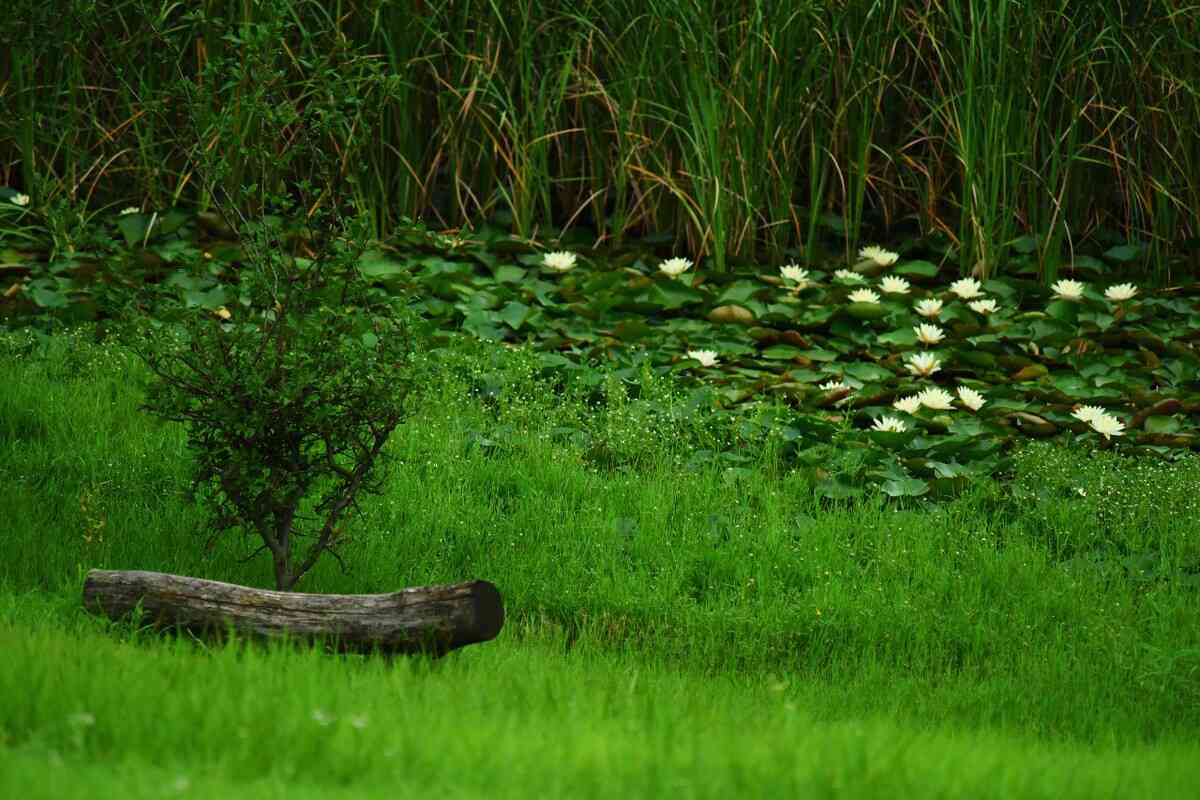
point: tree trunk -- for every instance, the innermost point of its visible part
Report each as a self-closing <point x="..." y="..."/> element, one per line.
<point x="433" y="619"/>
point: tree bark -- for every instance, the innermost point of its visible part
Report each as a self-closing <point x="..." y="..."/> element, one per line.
<point x="434" y="619"/>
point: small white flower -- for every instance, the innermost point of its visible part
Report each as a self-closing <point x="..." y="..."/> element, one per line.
<point x="675" y="266"/>
<point x="971" y="398"/>
<point x="796" y="275"/>
<point x="1122" y="291"/>
<point x="893" y="285"/>
<point x="848" y="275"/>
<point x="359" y="721"/>
<point x="1087" y="413"/>
<point x="936" y="398"/>
<point x="966" y="288"/>
<point x="929" y="307"/>
<point x="1067" y="289"/>
<point x="923" y="364"/>
<point x="322" y="717"/>
<point x="984" y="307"/>
<point x="909" y="405"/>
<point x="707" y="358"/>
<point x="222" y="312"/>
<point x="890" y="425"/>
<point x="862" y="296"/>
<point x="561" y="261"/>
<point x="1107" y="425"/>
<point x="884" y="258"/>
<point x="833" y="386"/>
<point x="20" y="199"/>
<point x="130" y="210"/>
<point x="928" y="334"/>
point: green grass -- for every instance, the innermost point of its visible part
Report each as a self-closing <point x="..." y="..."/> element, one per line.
<point x="739" y="130"/>
<point x="671" y="631"/>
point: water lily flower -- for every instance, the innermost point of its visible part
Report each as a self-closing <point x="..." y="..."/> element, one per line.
<point x="909" y="405"/>
<point x="928" y="334"/>
<point x="923" y="364"/>
<point x="862" y="296"/>
<point x="559" y="262"/>
<point x="929" y="307"/>
<point x="966" y="288"/>
<point x="20" y="199"/>
<point x="893" y="285"/>
<point x="890" y="425"/>
<point x="1087" y="413"/>
<point x="848" y="275"/>
<point x="675" y="266"/>
<point x="984" y="307"/>
<point x="1122" y="291"/>
<point x="796" y="275"/>
<point x="833" y="386"/>
<point x="884" y="258"/>
<point x="971" y="398"/>
<point x="1067" y="289"/>
<point x="707" y="358"/>
<point x="936" y="398"/>
<point x="1107" y="425"/>
<point x="130" y="210"/>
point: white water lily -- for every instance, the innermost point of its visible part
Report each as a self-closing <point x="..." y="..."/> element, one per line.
<point x="862" y="296"/>
<point x="20" y="199"/>
<point x="893" y="285"/>
<point x="131" y="210"/>
<point x="984" y="307"/>
<point x="909" y="405"/>
<point x="884" y="258"/>
<point x="847" y="275"/>
<point x="560" y="261"/>
<point x="796" y="275"/>
<point x="923" y="364"/>
<point x="707" y="358"/>
<point x="833" y="386"/>
<point x="967" y="288"/>
<point x="971" y="398"/>
<point x="1122" y="291"/>
<point x="890" y="425"/>
<point x="929" y="307"/>
<point x="1107" y="425"/>
<point x="675" y="266"/>
<point x="928" y="334"/>
<point x="937" y="398"/>
<point x="1087" y="413"/>
<point x="1066" y="289"/>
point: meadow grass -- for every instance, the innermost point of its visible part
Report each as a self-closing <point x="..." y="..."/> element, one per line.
<point x="671" y="629"/>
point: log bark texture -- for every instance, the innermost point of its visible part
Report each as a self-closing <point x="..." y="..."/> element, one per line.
<point x="421" y="619"/>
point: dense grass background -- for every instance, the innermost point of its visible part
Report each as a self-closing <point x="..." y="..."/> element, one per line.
<point x="1061" y="604"/>
<point x="743" y="129"/>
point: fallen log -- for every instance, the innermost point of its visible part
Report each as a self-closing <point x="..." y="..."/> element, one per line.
<point x="434" y="619"/>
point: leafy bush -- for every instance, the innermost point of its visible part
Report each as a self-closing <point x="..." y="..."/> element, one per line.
<point x="288" y="393"/>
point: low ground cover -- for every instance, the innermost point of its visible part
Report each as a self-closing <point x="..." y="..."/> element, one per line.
<point x="674" y="625"/>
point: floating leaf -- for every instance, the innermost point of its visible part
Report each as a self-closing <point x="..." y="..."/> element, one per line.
<point x="904" y="487"/>
<point x="920" y="269"/>
<point x="731" y="314"/>
<point x="514" y="314"/>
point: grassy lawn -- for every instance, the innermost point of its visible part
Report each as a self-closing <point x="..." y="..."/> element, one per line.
<point x="673" y="629"/>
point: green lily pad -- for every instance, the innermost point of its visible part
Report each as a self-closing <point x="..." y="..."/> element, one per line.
<point x="866" y="310"/>
<point x="918" y="268"/>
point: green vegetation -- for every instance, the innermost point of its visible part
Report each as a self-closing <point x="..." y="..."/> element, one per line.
<point x="772" y="512"/>
<point x="738" y="132"/>
<point x="670" y="624"/>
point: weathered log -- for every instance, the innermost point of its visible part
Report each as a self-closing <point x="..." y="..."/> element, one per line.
<point x="433" y="619"/>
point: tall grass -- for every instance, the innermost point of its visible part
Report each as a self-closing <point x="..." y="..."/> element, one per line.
<point x="738" y="127"/>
